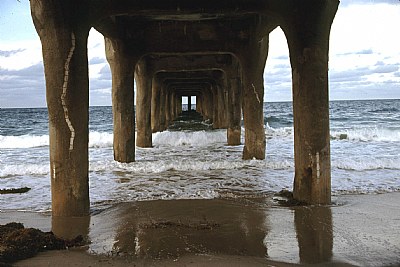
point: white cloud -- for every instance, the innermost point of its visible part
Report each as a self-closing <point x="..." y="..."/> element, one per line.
<point x="26" y="53"/>
<point x="365" y="27"/>
<point x="364" y="54"/>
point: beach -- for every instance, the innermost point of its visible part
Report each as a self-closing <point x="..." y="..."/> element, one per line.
<point x="356" y="230"/>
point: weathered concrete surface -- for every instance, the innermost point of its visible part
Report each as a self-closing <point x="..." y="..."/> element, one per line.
<point x="253" y="65"/>
<point x="143" y="104"/>
<point x="64" y="46"/>
<point x="181" y="35"/>
<point x="122" y="69"/>
<point x="308" y="39"/>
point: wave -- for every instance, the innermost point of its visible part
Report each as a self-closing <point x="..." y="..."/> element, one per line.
<point x="271" y="132"/>
<point x="148" y="167"/>
<point x="189" y="138"/>
<point x="24" y="169"/>
<point x="203" y="138"/>
<point x="105" y="139"/>
<point x="100" y="139"/>
<point x="24" y="141"/>
<point x="96" y="140"/>
<point x="367" y="135"/>
<point x="366" y="165"/>
<point x="361" y="134"/>
<point x="384" y="110"/>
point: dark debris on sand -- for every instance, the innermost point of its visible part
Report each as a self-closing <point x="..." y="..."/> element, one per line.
<point x="18" y="242"/>
<point x="14" y="190"/>
<point x="285" y="198"/>
<point x="169" y="224"/>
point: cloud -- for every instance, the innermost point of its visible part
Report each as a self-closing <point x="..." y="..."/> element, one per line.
<point x="362" y="73"/>
<point x="385" y="69"/>
<point x="345" y="3"/>
<point x="24" y="87"/>
<point x="97" y="60"/>
<point x="361" y="52"/>
<point x="8" y="53"/>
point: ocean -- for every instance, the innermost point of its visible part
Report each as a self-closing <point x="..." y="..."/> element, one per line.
<point x="195" y="162"/>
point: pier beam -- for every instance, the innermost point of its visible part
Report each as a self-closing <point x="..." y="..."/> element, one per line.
<point x="143" y="105"/>
<point x="122" y="69"/>
<point x="307" y="33"/>
<point x="64" y="47"/>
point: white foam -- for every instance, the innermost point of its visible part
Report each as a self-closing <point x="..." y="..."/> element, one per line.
<point x="187" y="165"/>
<point x="100" y="139"/>
<point x="282" y="132"/>
<point x="96" y="140"/>
<point x="187" y="138"/>
<point x="367" y="135"/>
<point x="24" y="141"/>
<point x="355" y="164"/>
<point x="24" y="169"/>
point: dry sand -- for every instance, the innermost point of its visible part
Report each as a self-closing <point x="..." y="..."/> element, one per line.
<point x="360" y="230"/>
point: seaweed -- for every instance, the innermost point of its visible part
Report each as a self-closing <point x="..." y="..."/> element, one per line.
<point x="18" y="242"/>
<point x="14" y="190"/>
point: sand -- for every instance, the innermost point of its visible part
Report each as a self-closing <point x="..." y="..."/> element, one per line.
<point x="358" y="230"/>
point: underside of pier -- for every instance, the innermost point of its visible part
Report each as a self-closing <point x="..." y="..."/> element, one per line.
<point x="213" y="50"/>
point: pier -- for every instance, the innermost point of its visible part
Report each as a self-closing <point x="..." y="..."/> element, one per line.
<point x="213" y="50"/>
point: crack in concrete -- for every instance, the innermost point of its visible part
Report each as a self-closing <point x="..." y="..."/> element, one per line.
<point x="64" y="93"/>
<point x="255" y="92"/>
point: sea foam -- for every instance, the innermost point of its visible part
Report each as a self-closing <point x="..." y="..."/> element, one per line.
<point x="189" y="138"/>
<point x="367" y="135"/>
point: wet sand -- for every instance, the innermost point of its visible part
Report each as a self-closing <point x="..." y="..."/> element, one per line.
<point x="358" y="230"/>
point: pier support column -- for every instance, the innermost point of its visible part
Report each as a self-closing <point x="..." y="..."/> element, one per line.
<point x="215" y="108"/>
<point x="308" y="38"/>
<point x="199" y="104"/>
<point x="167" y="108"/>
<point x="189" y="102"/>
<point x="173" y="106"/>
<point x="234" y="113"/>
<point x="179" y="103"/>
<point x="208" y="104"/>
<point x="122" y="70"/>
<point x="64" y="47"/>
<point x="155" y="105"/>
<point x="143" y="105"/>
<point x="162" y="108"/>
<point x="253" y="62"/>
<point x="223" y="104"/>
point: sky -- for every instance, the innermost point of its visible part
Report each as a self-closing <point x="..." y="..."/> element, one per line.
<point x="364" y="57"/>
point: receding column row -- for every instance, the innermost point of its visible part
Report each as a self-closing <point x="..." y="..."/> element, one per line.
<point x="182" y="46"/>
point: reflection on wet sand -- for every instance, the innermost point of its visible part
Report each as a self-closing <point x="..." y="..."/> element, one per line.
<point x="314" y="233"/>
<point x="171" y="229"/>
<point x="358" y="230"/>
